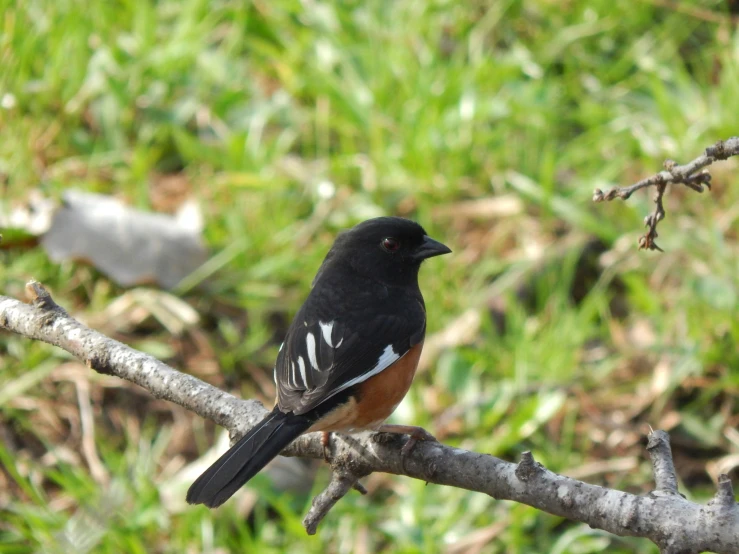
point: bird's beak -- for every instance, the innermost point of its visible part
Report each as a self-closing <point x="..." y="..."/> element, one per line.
<point x="430" y="248"/>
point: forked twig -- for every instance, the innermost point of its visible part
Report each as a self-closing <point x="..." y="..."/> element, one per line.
<point x="692" y="175"/>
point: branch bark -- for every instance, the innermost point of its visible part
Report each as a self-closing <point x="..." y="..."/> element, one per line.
<point x="692" y="175"/>
<point x="663" y="516"/>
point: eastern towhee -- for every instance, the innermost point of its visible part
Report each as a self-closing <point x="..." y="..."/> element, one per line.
<point x="350" y="353"/>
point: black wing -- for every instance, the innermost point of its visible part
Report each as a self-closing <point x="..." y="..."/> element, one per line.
<point x="339" y="340"/>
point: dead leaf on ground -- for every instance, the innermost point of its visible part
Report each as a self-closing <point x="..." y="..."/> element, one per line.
<point x="129" y="245"/>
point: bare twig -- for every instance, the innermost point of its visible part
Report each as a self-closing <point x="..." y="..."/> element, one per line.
<point x="527" y="468"/>
<point x="669" y="520"/>
<point x="665" y="477"/>
<point x="340" y="484"/>
<point x="691" y="175"/>
<point x="724" y="493"/>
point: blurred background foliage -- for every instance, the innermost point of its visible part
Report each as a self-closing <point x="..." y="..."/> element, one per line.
<point x="490" y="123"/>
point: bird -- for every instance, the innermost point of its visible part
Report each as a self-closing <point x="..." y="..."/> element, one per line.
<point x="349" y="355"/>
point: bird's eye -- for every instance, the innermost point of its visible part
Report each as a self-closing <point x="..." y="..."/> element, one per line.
<point x="391" y="244"/>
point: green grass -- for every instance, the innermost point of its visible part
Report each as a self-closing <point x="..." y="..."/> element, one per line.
<point x="292" y="120"/>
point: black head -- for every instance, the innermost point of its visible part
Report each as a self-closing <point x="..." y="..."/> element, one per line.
<point x="389" y="249"/>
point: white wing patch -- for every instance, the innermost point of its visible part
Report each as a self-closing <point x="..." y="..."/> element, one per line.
<point x="387" y="358"/>
<point x="291" y="374"/>
<point x="310" y="343"/>
<point x="301" y="364"/>
<point x="326" y="329"/>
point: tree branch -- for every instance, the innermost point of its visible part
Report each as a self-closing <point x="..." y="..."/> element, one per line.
<point x="691" y="175"/>
<point x="672" y="522"/>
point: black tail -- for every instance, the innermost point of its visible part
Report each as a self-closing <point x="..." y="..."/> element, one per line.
<point x="246" y="458"/>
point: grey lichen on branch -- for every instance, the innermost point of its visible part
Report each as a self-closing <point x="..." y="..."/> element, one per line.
<point x="669" y="520"/>
<point x="692" y="175"/>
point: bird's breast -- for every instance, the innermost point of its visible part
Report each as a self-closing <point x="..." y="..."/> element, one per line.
<point x="376" y="398"/>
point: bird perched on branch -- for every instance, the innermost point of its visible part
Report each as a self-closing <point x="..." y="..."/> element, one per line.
<point x="350" y="353"/>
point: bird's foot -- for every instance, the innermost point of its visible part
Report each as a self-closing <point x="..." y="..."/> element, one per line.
<point x="414" y="433"/>
<point x="326" y="443"/>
